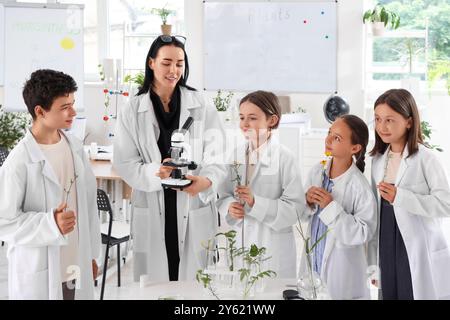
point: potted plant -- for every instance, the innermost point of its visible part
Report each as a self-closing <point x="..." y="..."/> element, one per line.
<point x="223" y="103"/>
<point x="164" y="13"/>
<point x="439" y="69"/>
<point x="13" y="126"/>
<point x="381" y="18"/>
<point x="226" y="280"/>
<point x="426" y="133"/>
<point x="135" y="82"/>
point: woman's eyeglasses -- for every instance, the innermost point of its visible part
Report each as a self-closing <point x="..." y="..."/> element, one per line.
<point x="170" y="39"/>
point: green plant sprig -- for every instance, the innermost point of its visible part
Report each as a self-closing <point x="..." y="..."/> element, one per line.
<point x="163" y="13"/>
<point x="223" y="103"/>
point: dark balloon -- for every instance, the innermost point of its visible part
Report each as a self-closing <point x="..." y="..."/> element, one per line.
<point x="334" y="107"/>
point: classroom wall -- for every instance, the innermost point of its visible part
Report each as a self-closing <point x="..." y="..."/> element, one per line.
<point x="350" y="58"/>
<point x="350" y="70"/>
<point x="350" y="62"/>
<point x="350" y="75"/>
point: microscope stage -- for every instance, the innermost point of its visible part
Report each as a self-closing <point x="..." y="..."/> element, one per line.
<point x="175" y="183"/>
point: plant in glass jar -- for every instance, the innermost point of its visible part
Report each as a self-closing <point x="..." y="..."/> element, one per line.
<point x="309" y="282"/>
<point x="224" y="281"/>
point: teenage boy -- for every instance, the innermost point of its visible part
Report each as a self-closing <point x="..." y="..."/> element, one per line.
<point x="48" y="210"/>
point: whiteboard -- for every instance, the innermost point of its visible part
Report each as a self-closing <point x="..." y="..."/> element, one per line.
<point x="282" y="46"/>
<point x="41" y="36"/>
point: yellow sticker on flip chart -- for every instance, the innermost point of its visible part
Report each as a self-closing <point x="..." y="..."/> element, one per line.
<point x="67" y="44"/>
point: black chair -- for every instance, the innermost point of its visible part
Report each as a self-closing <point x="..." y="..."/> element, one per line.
<point x="109" y="238"/>
<point x="3" y="155"/>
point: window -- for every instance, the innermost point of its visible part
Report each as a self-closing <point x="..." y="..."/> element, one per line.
<point x="122" y="29"/>
<point x="133" y="27"/>
<point x="418" y="49"/>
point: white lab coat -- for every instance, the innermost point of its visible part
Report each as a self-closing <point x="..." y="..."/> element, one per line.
<point x="137" y="159"/>
<point x="277" y="188"/>
<point x="351" y="220"/>
<point x="423" y="197"/>
<point x="30" y="192"/>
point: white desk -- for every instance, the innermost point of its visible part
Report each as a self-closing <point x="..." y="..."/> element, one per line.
<point x="192" y="290"/>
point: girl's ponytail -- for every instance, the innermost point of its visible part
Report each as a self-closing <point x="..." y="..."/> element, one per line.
<point x="360" y="135"/>
<point x="360" y="159"/>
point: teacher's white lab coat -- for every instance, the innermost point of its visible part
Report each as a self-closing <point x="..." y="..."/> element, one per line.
<point x="30" y="192"/>
<point x="277" y="188"/>
<point x="351" y="220"/>
<point x="423" y="197"/>
<point x="137" y="159"/>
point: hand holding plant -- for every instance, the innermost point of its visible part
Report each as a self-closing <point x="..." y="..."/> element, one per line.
<point x="236" y="210"/>
<point x="237" y="178"/>
<point x="245" y="194"/>
<point x="65" y="219"/>
<point x="318" y="196"/>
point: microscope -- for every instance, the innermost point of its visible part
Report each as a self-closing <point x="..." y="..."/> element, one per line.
<point x="180" y="153"/>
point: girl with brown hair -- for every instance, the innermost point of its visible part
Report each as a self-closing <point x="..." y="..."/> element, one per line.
<point x="413" y="193"/>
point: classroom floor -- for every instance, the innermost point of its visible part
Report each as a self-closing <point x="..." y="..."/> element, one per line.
<point x="112" y="292"/>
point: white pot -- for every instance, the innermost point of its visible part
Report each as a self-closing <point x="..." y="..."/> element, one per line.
<point x="225" y="116"/>
<point x="378" y="28"/>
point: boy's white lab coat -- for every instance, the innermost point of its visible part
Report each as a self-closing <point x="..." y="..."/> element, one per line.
<point x="30" y="192"/>
<point x="277" y="188"/>
<point x="423" y="197"/>
<point x="351" y="220"/>
<point x="137" y="159"/>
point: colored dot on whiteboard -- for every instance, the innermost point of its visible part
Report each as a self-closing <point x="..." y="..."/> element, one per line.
<point x="67" y="44"/>
<point x="323" y="12"/>
<point x="304" y="21"/>
<point x="326" y="37"/>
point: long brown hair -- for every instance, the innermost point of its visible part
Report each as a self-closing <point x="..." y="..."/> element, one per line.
<point x="267" y="102"/>
<point x="360" y="135"/>
<point x="401" y="101"/>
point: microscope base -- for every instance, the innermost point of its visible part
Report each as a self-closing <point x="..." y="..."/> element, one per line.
<point x="175" y="183"/>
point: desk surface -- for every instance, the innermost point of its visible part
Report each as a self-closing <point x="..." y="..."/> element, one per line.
<point x="192" y="290"/>
<point x="104" y="170"/>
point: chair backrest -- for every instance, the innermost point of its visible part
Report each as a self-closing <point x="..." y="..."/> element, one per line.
<point x="3" y="154"/>
<point x="103" y="203"/>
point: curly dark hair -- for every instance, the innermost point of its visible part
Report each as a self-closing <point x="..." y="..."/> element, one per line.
<point x="44" y="86"/>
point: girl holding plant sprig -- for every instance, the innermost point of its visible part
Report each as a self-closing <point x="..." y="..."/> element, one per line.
<point x="341" y="206"/>
<point x="264" y="209"/>
<point x="413" y="194"/>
